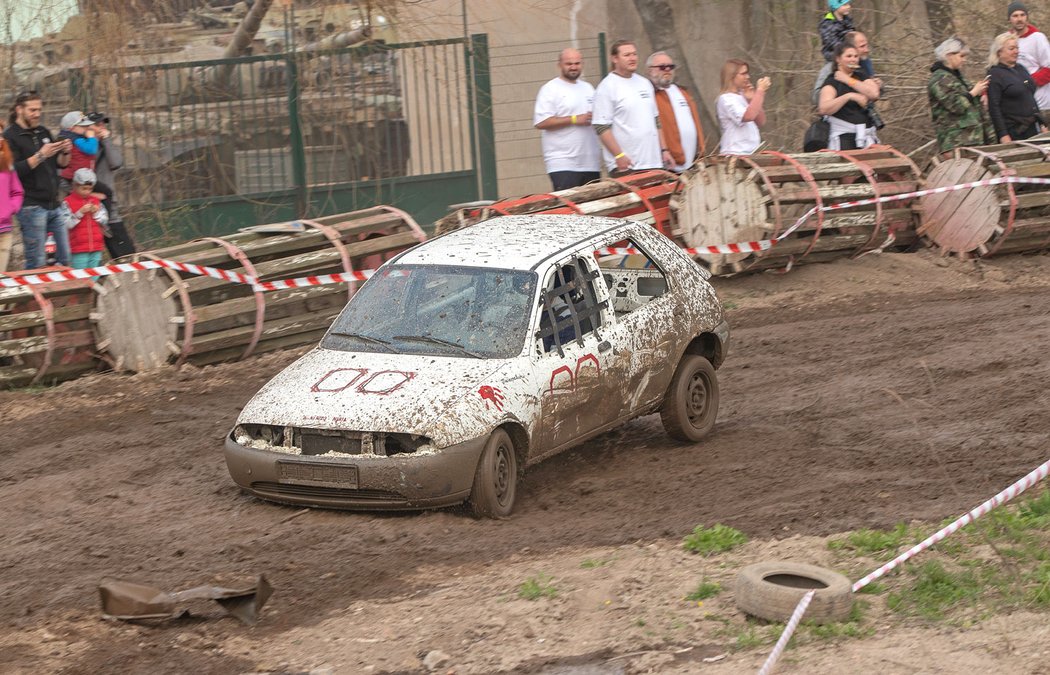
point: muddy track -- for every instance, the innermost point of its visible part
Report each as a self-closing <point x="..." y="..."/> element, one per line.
<point x="857" y="412"/>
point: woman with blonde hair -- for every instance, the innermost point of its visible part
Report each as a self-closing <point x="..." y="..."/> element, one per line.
<point x="959" y="118"/>
<point x="844" y="99"/>
<point x="1011" y="92"/>
<point x="740" y="113"/>
<point x="11" y="194"/>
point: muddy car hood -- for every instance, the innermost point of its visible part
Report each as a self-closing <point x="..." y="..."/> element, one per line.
<point x="393" y="393"/>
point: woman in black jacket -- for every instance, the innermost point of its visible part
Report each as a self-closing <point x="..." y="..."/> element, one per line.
<point x="1011" y="93"/>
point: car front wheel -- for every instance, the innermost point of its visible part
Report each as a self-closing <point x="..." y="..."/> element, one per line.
<point x="496" y="479"/>
<point x="691" y="403"/>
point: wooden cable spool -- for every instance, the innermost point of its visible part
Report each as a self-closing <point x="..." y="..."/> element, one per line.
<point x="985" y="221"/>
<point x="733" y="199"/>
<point x="643" y="196"/>
<point x="45" y="331"/>
<point x="145" y="320"/>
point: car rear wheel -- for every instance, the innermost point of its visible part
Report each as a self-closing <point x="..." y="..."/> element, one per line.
<point x="496" y="478"/>
<point x="691" y="403"/>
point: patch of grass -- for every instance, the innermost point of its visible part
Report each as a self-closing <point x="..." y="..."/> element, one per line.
<point x="935" y="591"/>
<point x="537" y="587"/>
<point x="729" y="304"/>
<point x="592" y="563"/>
<point x="850" y="628"/>
<point x="1040" y="593"/>
<point x="717" y="539"/>
<point x="1036" y="511"/>
<point x="639" y="622"/>
<point x="879" y="544"/>
<point x="706" y="589"/>
<point x="873" y="588"/>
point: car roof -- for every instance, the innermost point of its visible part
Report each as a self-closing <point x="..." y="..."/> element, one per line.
<point x="510" y="242"/>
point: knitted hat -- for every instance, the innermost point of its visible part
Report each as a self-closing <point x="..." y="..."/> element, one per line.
<point x="1015" y="7"/>
<point x="84" y="176"/>
<point x="833" y="5"/>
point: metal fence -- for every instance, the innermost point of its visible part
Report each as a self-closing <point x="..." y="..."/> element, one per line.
<point x="518" y="72"/>
<point x="214" y="145"/>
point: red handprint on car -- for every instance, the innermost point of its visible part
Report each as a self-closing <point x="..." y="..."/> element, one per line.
<point x="493" y="394"/>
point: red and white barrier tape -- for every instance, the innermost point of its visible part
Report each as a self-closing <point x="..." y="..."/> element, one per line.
<point x="1033" y="477"/>
<point x="785" y="637"/>
<point x="1006" y="495"/>
<point x="361" y="275"/>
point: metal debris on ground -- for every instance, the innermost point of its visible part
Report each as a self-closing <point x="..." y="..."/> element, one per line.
<point x="130" y="601"/>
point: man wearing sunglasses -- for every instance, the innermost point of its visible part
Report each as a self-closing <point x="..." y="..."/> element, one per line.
<point x="678" y="117"/>
<point x="38" y="156"/>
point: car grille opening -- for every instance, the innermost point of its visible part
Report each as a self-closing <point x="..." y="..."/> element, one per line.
<point x="278" y="490"/>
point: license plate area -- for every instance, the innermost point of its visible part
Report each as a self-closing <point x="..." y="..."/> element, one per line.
<point x="326" y="475"/>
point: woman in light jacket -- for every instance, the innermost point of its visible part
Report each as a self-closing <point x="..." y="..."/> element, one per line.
<point x="844" y="99"/>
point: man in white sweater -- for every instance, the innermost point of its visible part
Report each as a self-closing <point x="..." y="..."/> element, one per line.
<point x="1034" y="54"/>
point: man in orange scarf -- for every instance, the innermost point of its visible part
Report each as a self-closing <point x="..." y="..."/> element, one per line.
<point x="678" y="117"/>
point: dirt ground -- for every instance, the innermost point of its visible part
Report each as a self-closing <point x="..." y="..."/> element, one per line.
<point x="856" y="394"/>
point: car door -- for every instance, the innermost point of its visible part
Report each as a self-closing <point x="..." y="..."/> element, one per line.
<point x="571" y="355"/>
<point x="644" y="327"/>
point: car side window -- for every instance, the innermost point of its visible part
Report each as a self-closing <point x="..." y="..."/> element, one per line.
<point x="632" y="276"/>
<point x="569" y="306"/>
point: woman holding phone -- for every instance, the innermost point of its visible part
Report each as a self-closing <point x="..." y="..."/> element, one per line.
<point x="959" y="118"/>
<point x="844" y="98"/>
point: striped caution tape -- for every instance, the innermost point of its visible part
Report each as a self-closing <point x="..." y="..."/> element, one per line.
<point x="1031" y="479"/>
<point x="362" y="275"/>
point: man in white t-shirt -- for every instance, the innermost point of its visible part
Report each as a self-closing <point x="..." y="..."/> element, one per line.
<point x="626" y="118"/>
<point x="678" y="116"/>
<point x="563" y="116"/>
<point x="1033" y="53"/>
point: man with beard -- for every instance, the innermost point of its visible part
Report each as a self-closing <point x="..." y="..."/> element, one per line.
<point x="626" y="118"/>
<point x="38" y="156"/>
<point x="678" y="117"/>
<point x="563" y="116"/>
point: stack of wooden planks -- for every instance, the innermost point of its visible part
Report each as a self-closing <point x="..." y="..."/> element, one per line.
<point x="731" y="199"/>
<point x="45" y="332"/>
<point x="991" y="220"/>
<point x="145" y="320"/>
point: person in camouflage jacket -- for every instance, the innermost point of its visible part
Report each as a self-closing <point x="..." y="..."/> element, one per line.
<point x="959" y="118"/>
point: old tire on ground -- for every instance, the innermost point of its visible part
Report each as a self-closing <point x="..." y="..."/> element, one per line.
<point x="691" y="403"/>
<point x="496" y="478"/>
<point x="771" y="590"/>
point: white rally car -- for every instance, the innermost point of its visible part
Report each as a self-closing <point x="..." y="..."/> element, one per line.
<point x="483" y="351"/>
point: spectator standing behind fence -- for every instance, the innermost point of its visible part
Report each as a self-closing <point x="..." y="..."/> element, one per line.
<point x="87" y="220"/>
<point x="740" y="109"/>
<point x="1011" y="92"/>
<point x="37" y="161"/>
<point x="844" y="99"/>
<point x="1033" y="53"/>
<point x="119" y="242"/>
<point x="11" y="194"/>
<point x="563" y="116"/>
<point x="834" y="27"/>
<point x="626" y="118"/>
<point x="959" y="118"/>
<point x="678" y="117"/>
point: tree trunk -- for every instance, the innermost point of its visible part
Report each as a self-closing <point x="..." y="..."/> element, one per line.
<point x="658" y="19"/>
<point x="942" y="23"/>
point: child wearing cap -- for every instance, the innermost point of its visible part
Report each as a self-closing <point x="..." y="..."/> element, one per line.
<point x="87" y="220"/>
<point x="80" y="129"/>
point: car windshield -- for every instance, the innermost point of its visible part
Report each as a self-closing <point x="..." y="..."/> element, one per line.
<point x="469" y="312"/>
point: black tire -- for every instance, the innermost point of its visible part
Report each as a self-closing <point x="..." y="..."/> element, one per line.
<point x="496" y="478"/>
<point x="771" y="590"/>
<point x="691" y="403"/>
